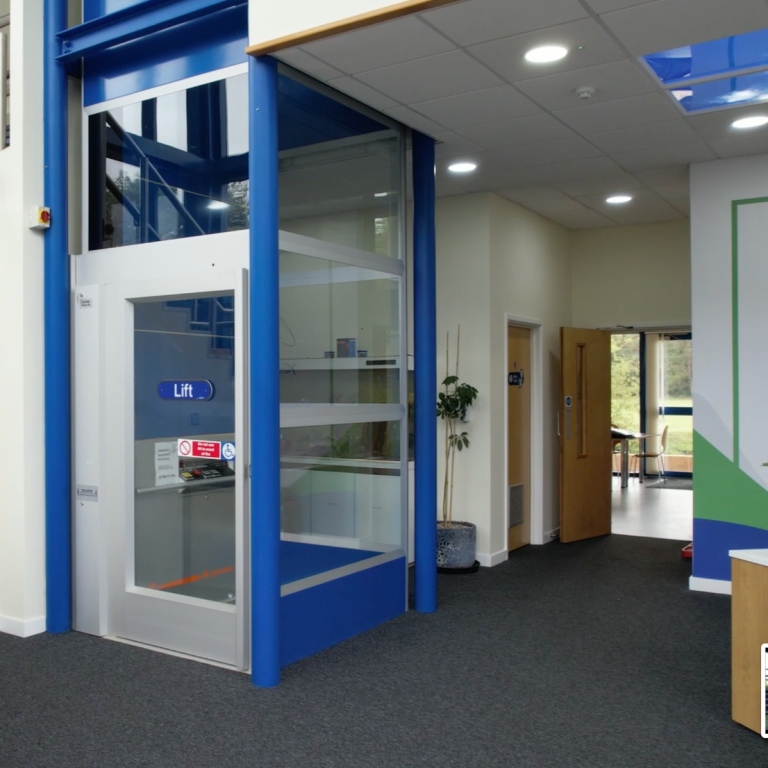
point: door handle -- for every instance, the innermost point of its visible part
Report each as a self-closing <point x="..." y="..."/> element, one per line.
<point x="558" y="424"/>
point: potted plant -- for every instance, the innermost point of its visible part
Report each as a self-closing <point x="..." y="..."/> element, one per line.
<point x="455" y="539"/>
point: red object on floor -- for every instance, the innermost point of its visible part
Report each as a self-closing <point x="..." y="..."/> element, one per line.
<point x="687" y="551"/>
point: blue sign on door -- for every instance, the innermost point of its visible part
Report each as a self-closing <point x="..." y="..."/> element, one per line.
<point x="185" y="390"/>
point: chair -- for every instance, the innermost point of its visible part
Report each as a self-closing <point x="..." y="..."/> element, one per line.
<point x="650" y="455"/>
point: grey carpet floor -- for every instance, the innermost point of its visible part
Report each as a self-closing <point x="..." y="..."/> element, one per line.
<point x="589" y="654"/>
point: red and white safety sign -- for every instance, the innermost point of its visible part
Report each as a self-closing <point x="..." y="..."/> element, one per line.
<point x="199" y="449"/>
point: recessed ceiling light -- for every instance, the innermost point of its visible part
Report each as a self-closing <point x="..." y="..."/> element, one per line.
<point x="618" y="199"/>
<point x="546" y="54"/>
<point x="750" y="122"/>
<point x="380" y="194"/>
<point x="462" y="167"/>
<point x="217" y="205"/>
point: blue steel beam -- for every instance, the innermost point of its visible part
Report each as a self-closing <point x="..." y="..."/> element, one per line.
<point x="264" y="358"/>
<point x="425" y="373"/>
<point x="134" y="22"/>
<point x="58" y="536"/>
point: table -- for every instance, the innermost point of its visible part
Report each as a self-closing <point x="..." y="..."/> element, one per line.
<point x="749" y="630"/>
<point x="623" y="436"/>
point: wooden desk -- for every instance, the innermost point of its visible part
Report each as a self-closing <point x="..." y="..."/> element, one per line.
<point x="624" y="436"/>
<point x="749" y="630"/>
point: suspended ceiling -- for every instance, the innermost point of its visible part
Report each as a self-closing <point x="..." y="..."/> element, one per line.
<point x="458" y="74"/>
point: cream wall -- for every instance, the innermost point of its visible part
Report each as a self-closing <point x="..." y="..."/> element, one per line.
<point x="496" y="259"/>
<point x="22" y="516"/>
<point x="632" y="275"/>
<point x="531" y="279"/>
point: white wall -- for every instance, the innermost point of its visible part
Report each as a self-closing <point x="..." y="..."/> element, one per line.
<point x="22" y="516"/>
<point x="463" y="298"/>
<point x="531" y="279"/>
<point x="496" y="259"/>
<point x="632" y="275"/>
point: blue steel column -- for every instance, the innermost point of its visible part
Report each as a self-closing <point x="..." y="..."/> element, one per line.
<point x="264" y="388"/>
<point x="425" y="373"/>
<point x="58" y="531"/>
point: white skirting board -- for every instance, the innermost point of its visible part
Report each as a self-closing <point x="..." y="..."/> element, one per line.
<point x="489" y="561"/>
<point x="717" y="586"/>
<point x="22" y="628"/>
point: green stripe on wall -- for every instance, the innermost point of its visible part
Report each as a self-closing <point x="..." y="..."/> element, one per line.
<point x="724" y="492"/>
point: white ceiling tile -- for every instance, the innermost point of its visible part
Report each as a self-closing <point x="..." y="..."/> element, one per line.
<point x="683" y="205"/>
<point x="678" y="174"/>
<point x="431" y="78"/>
<point x="507" y="56"/>
<point x="613" y="184"/>
<point x="451" y="145"/>
<point x="718" y="124"/>
<point x="486" y="163"/>
<point x="647" y="159"/>
<point x="653" y="27"/>
<point x="589" y="167"/>
<point x="639" y="197"/>
<point x="616" y="80"/>
<point x="622" y="113"/>
<point x="647" y="213"/>
<point x="604" y="6"/>
<point x="541" y="199"/>
<point x="585" y="219"/>
<point x="741" y="146"/>
<point x="301" y="60"/>
<point x="414" y="120"/>
<point x="497" y="180"/>
<point x="643" y="137"/>
<point x="446" y="189"/>
<point x="478" y="21"/>
<point x="541" y="153"/>
<point x="671" y="192"/>
<point x="489" y="105"/>
<point x="380" y="45"/>
<point x="362" y="92"/>
<point x="512" y="133"/>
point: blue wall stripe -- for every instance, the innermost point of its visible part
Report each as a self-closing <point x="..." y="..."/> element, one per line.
<point x="329" y="613"/>
<point x="712" y="541"/>
<point x="264" y="405"/>
<point x="425" y="373"/>
<point x="58" y="531"/>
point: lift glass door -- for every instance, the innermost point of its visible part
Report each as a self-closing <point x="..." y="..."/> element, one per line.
<point x="182" y="528"/>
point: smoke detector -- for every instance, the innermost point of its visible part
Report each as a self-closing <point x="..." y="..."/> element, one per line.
<point x="586" y="92"/>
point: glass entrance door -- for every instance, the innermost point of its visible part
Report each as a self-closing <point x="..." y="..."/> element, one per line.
<point x="176" y="415"/>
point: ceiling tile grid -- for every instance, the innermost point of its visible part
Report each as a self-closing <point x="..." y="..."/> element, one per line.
<point x="458" y="73"/>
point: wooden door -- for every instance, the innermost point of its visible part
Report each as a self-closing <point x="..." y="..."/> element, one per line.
<point x="584" y="423"/>
<point x="519" y="436"/>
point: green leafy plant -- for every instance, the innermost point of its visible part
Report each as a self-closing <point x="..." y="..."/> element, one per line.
<point x="452" y="406"/>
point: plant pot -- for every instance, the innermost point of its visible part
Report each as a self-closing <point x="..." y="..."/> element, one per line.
<point x="456" y="548"/>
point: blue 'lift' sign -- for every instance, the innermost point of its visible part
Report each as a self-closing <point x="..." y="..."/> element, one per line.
<point x="185" y="390"/>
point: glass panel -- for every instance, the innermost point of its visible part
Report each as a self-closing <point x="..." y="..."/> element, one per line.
<point x="184" y="387"/>
<point x="676" y="374"/>
<point x="625" y="381"/>
<point x="170" y="167"/>
<point x="340" y="172"/>
<point x="339" y="332"/>
<point x="340" y="496"/>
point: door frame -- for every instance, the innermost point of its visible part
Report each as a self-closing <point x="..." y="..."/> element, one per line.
<point x="118" y="471"/>
<point x="537" y="425"/>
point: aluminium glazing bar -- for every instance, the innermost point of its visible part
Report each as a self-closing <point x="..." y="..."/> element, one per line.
<point x="425" y="372"/>
<point x="58" y="529"/>
<point x="264" y="361"/>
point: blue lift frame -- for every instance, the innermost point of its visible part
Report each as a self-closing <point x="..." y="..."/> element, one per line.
<point x="425" y="373"/>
